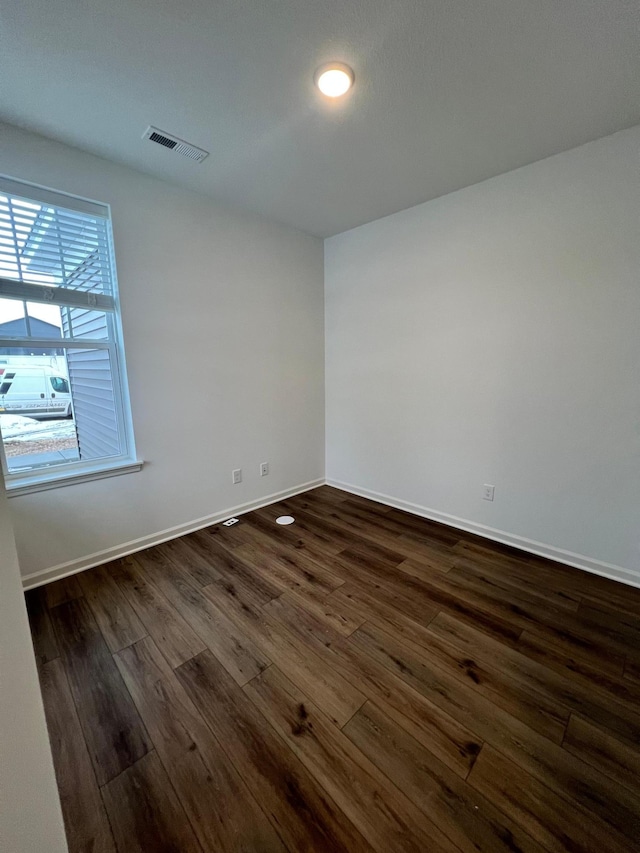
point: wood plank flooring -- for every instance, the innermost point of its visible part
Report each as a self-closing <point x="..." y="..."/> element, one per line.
<point x="363" y="680"/>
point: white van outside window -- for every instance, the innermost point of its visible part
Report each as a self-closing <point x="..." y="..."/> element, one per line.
<point x="34" y="392"/>
<point x="64" y="406"/>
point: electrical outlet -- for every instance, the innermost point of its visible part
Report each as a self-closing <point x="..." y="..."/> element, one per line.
<point x="488" y="492"/>
<point x="264" y="469"/>
<point x="230" y="521"/>
<point x="236" y="476"/>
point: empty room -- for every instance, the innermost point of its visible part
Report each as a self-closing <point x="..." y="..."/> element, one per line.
<point x="320" y="426"/>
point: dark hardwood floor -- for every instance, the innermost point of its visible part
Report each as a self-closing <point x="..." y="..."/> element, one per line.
<point x="361" y="680"/>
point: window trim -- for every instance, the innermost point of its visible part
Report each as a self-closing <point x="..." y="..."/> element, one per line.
<point x="26" y="291"/>
<point x="69" y="473"/>
<point x="57" y="476"/>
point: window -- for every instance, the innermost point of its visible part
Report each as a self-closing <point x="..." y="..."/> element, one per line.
<point x="6" y="384"/>
<point x="59" y="384"/>
<point x="64" y="412"/>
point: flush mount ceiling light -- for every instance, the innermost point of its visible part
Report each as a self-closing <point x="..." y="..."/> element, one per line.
<point x="334" y="79"/>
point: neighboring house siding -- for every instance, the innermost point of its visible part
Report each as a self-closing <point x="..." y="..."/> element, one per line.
<point x="92" y="390"/>
<point x="85" y="324"/>
<point x="93" y="403"/>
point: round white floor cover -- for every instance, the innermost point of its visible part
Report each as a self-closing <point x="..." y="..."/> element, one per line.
<point x="285" y="519"/>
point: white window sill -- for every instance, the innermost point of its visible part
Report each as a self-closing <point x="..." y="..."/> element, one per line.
<point x="54" y="479"/>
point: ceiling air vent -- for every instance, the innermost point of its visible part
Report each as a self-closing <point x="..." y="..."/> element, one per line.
<point x="175" y="144"/>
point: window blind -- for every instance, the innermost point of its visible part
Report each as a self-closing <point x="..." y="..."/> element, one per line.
<point x="54" y="249"/>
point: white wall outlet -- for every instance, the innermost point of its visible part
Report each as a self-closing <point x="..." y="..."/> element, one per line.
<point x="264" y="469"/>
<point x="236" y="476"/>
<point x="230" y="521"/>
<point x="488" y="492"/>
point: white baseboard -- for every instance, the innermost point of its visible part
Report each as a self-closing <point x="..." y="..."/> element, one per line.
<point x="568" y="558"/>
<point x="99" y="557"/>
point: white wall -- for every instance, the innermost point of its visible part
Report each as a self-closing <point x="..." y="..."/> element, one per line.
<point x="493" y="336"/>
<point x="489" y="336"/>
<point x="238" y="303"/>
<point x="30" y="816"/>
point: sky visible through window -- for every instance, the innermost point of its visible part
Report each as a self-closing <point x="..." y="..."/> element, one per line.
<point x="13" y="309"/>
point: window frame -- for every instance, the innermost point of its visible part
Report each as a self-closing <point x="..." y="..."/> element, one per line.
<point x="68" y="473"/>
